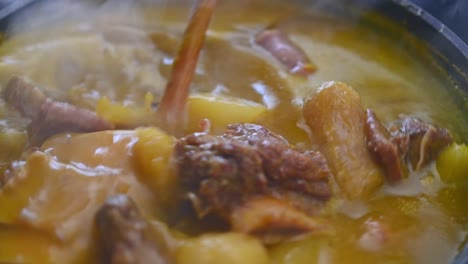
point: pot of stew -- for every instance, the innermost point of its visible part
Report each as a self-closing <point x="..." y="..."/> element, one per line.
<point x="252" y="131"/>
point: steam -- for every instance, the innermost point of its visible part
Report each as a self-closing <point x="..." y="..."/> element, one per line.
<point x="49" y="13"/>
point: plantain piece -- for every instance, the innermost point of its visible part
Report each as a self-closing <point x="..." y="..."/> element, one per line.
<point x="336" y="119"/>
<point x="279" y="45"/>
<point x="125" y="236"/>
<point x="171" y="110"/>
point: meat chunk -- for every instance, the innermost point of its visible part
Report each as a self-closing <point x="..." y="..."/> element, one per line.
<point x="58" y="117"/>
<point x="285" y="51"/>
<point x="420" y="142"/>
<point x="24" y="97"/>
<point x="49" y="117"/>
<point x="225" y="173"/>
<point x="336" y="119"/>
<point x="281" y="164"/>
<point x="125" y="237"/>
<point x="222" y="173"/>
<point x="385" y="151"/>
<point x="411" y="139"/>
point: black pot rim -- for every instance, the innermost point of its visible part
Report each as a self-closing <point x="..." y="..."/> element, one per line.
<point x="435" y="24"/>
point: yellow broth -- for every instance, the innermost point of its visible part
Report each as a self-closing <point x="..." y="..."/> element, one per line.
<point x="125" y="54"/>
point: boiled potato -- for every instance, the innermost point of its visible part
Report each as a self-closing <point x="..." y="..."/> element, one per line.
<point x="452" y="164"/>
<point x="12" y="143"/>
<point x="304" y="251"/>
<point x="221" y="111"/>
<point x="126" y="116"/>
<point x="25" y="246"/>
<point x="15" y="194"/>
<point x="153" y="153"/>
<point x="229" y="248"/>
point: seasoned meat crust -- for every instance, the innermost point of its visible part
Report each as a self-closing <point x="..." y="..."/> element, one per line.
<point x="248" y="161"/>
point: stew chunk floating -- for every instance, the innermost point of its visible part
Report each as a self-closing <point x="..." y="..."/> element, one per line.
<point x="231" y="132"/>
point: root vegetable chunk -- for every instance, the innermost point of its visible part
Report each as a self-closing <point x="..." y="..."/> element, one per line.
<point x="336" y="119"/>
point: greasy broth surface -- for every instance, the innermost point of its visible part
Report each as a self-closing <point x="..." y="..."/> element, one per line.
<point x="124" y="54"/>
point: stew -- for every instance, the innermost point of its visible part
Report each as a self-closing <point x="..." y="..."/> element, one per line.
<point x="262" y="132"/>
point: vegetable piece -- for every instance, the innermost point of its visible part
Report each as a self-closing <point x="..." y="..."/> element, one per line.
<point x="172" y="107"/>
<point x="384" y="150"/>
<point x="125" y="236"/>
<point x="336" y="119"/>
<point x="273" y="220"/>
<point x="304" y="251"/>
<point x="228" y="248"/>
<point x="153" y="153"/>
<point x="221" y="111"/>
<point x="25" y="245"/>
<point x="17" y="191"/>
<point x="12" y="144"/>
<point x="452" y="164"/>
<point x="285" y="51"/>
<point x="125" y="116"/>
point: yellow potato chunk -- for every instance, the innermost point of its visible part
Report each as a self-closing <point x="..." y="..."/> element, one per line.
<point x="15" y="194"/>
<point x="125" y="116"/>
<point x="221" y="111"/>
<point x="452" y="164"/>
<point x="229" y="248"/>
<point x="153" y="153"/>
<point x="12" y="144"/>
<point x="24" y="246"/>
<point x="304" y="251"/>
<point x="336" y="119"/>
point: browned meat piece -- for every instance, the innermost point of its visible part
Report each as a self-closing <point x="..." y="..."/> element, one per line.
<point x="272" y="220"/>
<point x="224" y="173"/>
<point x="384" y="150"/>
<point x="24" y="97"/>
<point x="419" y="141"/>
<point x="49" y="117"/>
<point x="281" y="163"/>
<point x="58" y="117"/>
<point x="125" y="237"/>
<point x="285" y="51"/>
<point x="336" y="119"/>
